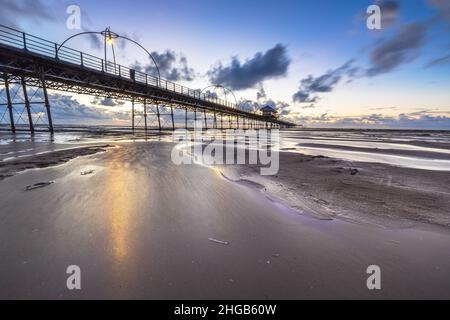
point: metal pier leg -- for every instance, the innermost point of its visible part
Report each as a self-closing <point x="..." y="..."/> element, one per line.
<point x="171" y="114"/>
<point x="185" y="118"/>
<point x="221" y="121"/>
<point x="206" y="120"/>
<point x="27" y="104"/>
<point x="47" y="104"/>
<point x="237" y="121"/>
<point x="195" y="115"/>
<point x="10" y="107"/>
<point x="145" y="114"/>
<point x="215" y="121"/>
<point x="229" y="121"/>
<point x="159" y="116"/>
<point x="132" y="114"/>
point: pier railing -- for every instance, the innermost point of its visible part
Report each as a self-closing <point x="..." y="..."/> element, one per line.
<point x="21" y="40"/>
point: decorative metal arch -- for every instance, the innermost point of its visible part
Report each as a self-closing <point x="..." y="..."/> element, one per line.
<point x="225" y="90"/>
<point x="109" y="35"/>
<point x="246" y="101"/>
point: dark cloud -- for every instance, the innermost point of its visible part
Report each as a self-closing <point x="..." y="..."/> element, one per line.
<point x="208" y="94"/>
<point x="443" y="7"/>
<point x="172" y="66"/>
<point x="311" y="86"/>
<point x="261" y="95"/>
<point x="390" y="12"/>
<point x="249" y="106"/>
<point x="403" y="47"/>
<point x="244" y="75"/>
<point x="107" y="102"/>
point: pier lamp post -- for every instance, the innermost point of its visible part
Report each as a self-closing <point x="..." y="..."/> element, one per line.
<point x="109" y="37"/>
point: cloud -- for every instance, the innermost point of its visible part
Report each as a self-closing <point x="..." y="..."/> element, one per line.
<point x="249" y="106"/>
<point x="402" y="48"/>
<point x="261" y="95"/>
<point x="439" y="61"/>
<point x="419" y="120"/>
<point x="107" y="102"/>
<point x="239" y="75"/>
<point x="390" y="12"/>
<point x="66" y="109"/>
<point x="311" y="85"/>
<point x="172" y="66"/>
<point x="14" y="12"/>
<point x="443" y="7"/>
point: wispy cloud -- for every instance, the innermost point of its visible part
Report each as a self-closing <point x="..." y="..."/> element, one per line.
<point x="14" y="12"/>
<point x="439" y="61"/>
<point x="172" y="66"/>
<point x="389" y="54"/>
<point x="311" y="86"/>
<point x="420" y="120"/>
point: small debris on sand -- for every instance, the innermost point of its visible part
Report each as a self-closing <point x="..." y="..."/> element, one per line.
<point x="353" y="171"/>
<point x="218" y="241"/>
<point x="86" y="172"/>
<point x="38" y="185"/>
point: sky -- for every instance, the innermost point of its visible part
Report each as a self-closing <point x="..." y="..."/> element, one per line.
<point x="316" y="61"/>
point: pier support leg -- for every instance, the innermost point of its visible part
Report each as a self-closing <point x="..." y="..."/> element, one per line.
<point x="221" y="121"/>
<point x="171" y="115"/>
<point x="215" y="121"/>
<point x="185" y="118"/>
<point x="145" y="115"/>
<point x="27" y="104"/>
<point x="206" y="120"/>
<point x="132" y="114"/>
<point x="9" y="101"/>
<point x="47" y="104"/>
<point x="159" y="116"/>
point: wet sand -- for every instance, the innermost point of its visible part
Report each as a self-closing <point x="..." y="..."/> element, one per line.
<point x="361" y="192"/>
<point x="140" y="227"/>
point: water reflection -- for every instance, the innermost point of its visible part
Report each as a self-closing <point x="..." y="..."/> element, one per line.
<point x="119" y="200"/>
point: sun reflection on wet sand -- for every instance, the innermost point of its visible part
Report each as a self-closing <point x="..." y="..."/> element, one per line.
<point x="120" y="196"/>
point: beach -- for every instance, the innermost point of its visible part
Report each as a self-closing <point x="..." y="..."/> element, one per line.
<point x="141" y="227"/>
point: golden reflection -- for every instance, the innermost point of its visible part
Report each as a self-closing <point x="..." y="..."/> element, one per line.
<point x="120" y="198"/>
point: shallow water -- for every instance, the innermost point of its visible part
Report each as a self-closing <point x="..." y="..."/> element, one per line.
<point x="386" y="143"/>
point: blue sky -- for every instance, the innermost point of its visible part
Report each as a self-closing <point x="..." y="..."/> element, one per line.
<point x="315" y="60"/>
